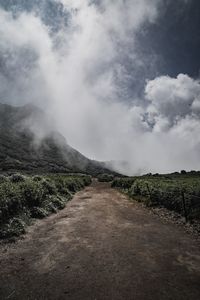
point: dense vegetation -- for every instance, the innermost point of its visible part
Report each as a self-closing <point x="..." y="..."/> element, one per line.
<point x="177" y="192"/>
<point x="105" y="177"/>
<point x="25" y="197"/>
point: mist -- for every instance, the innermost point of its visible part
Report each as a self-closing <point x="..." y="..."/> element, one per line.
<point x="89" y="77"/>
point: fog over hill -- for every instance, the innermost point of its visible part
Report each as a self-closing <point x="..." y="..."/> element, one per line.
<point x="119" y="78"/>
<point x="48" y="151"/>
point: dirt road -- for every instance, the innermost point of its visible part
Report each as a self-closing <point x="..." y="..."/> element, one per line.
<point x="101" y="246"/>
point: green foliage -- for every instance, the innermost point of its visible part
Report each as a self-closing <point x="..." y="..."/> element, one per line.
<point x="34" y="196"/>
<point x="17" y="178"/>
<point x="105" y="177"/>
<point x="123" y="182"/>
<point x="3" y="179"/>
<point x="70" y="184"/>
<point x="13" y="228"/>
<point x="37" y="178"/>
<point x="39" y="212"/>
<point x="11" y="200"/>
<point x="58" y="202"/>
<point x="166" y="191"/>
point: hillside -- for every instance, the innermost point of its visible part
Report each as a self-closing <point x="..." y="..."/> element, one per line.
<point x="27" y="142"/>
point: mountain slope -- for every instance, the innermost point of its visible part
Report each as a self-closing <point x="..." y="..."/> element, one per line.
<point x="27" y="142"/>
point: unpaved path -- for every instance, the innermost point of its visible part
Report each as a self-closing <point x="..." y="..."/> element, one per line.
<point x="103" y="247"/>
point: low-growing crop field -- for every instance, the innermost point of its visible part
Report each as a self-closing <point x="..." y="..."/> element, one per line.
<point x="25" y="197"/>
<point x="178" y="193"/>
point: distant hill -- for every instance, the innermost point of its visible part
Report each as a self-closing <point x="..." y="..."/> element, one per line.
<point x="45" y="151"/>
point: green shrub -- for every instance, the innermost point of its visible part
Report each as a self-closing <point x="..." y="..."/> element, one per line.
<point x="59" y="202"/>
<point x="87" y="180"/>
<point x="10" y="200"/>
<point x="39" y="212"/>
<point x="15" y="227"/>
<point x="17" y="178"/>
<point x="123" y="182"/>
<point x="105" y="177"/>
<point x="48" y="186"/>
<point x="37" y="178"/>
<point x="164" y="191"/>
<point x="35" y="196"/>
<point x="33" y="193"/>
<point x="3" y="179"/>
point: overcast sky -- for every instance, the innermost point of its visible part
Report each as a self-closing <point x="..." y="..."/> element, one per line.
<point x="120" y="78"/>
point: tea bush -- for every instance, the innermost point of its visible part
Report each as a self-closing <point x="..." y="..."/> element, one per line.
<point x="165" y="191"/>
<point x="25" y="197"/>
<point x="123" y="182"/>
<point x="105" y="177"/>
<point x="3" y="179"/>
<point x="17" y="178"/>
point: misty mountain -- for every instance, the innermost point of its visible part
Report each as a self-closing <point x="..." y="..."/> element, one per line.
<point x="28" y="142"/>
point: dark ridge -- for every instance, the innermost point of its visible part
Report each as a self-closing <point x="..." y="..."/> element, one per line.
<point x="28" y="143"/>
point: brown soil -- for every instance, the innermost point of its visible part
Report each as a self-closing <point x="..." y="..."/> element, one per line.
<point x="103" y="247"/>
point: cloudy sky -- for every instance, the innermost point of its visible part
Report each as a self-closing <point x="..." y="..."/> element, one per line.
<point x="119" y="77"/>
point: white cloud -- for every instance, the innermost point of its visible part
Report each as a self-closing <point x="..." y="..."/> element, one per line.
<point x="172" y="99"/>
<point x="75" y="80"/>
<point x="26" y="51"/>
